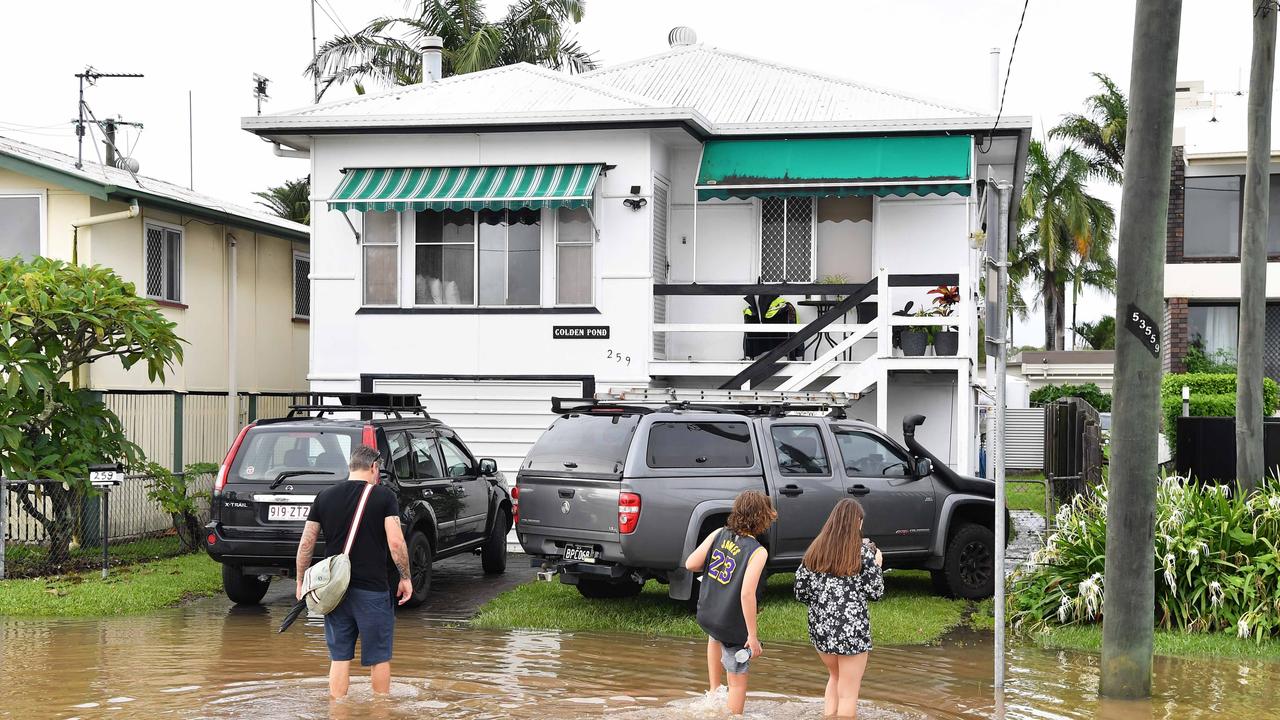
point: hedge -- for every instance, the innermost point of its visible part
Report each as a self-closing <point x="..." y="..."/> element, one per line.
<point x="1089" y="392"/>
<point x="1212" y="395"/>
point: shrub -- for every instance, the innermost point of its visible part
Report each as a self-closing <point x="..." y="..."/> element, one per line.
<point x="174" y="495"/>
<point x="1216" y="563"/>
<point x="1218" y="361"/>
<point x="1089" y="392"/>
<point x="1212" y="395"/>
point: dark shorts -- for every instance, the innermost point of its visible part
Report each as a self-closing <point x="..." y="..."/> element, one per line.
<point x="367" y="614"/>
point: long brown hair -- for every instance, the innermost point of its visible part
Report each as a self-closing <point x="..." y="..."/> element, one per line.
<point x="752" y="514"/>
<point x="838" y="548"/>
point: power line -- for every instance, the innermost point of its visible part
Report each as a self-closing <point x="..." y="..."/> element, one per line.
<point x="332" y="17"/>
<point x="1009" y="69"/>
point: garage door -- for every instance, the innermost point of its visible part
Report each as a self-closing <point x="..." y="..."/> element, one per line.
<point x="500" y="419"/>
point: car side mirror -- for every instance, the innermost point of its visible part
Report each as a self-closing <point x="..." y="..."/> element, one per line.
<point x="924" y="467"/>
<point x="488" y="467"/>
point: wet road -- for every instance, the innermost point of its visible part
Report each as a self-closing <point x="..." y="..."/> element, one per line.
<point x="212" y="660"/>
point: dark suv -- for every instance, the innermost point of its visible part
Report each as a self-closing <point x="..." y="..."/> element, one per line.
<point x="450" y="502"/>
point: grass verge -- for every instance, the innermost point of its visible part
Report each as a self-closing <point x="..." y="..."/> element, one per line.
<point x="909" y="614"/>
<point x="1167" y="643"/>
<point x="1023" y="495"/>
<point x="128" y="590"/>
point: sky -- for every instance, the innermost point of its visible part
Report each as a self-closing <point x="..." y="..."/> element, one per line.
<point x="930" y="48"/>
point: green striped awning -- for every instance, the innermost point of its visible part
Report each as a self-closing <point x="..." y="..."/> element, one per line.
<point x="836" y="167"/>
<point x="479" y="187"/>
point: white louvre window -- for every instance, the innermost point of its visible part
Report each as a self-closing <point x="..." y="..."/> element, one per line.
<point x="381" y="247"/>
<point x="301" y="285"/>
<point x="20" y="226"/>
<point x="786" y="239"/>
<point x="162" y="258"/>
<point x="575" y="280"/>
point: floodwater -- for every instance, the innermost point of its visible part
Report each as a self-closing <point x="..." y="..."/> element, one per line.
<point x="211" y="660"/>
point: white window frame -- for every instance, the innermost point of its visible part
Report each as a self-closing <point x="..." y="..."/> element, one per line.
<point x="591" y="242"/>
<point x="42" y="200"/>
<point x="813" y="241"/>
<point x="475" y="264"/>
<point x="364" y="241"/>
<point x="182" y="260"/>
<point x="293" y="274"/>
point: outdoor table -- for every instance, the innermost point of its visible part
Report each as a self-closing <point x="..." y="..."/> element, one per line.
<point x="823" y="306"/>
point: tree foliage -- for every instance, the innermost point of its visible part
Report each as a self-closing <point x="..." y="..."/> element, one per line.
<point x="1100" y="130"/>
<point x="1089" y="392"/>
<point x="56" y="319"/>
<point x="1100" y="335"/>
<point x="291" y="201"/>
<point x="386" y="50"/>
<point x="174" y="493"/>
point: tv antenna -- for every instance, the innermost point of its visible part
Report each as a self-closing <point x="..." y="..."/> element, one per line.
<point x="260" y="90"/>
<point x="90" y="77"/>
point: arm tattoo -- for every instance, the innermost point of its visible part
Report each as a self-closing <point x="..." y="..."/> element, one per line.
<point x="400" y="554"/>
<point x="306" y="547"/>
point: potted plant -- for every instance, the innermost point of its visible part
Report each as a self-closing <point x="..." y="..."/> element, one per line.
<point x="834" y="279"/>
<point x="915" y="340"/>
<point x="946" y="338"/>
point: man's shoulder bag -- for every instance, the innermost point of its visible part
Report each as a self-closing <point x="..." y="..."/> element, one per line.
<point x="325" y="583"/>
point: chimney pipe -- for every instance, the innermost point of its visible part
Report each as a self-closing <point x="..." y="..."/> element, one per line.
<point x="432" y="58"/>
<point x="995" y="79"/>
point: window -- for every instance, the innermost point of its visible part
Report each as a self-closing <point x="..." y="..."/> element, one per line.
<point x="593" y="443"/>
<point x="575" y="279"/>
<point x="1211" y="226"/>
<point x="401" y="456"/>
<point x="1213" y="329"/>
<point x="380" y="243"/>
<point x="301" y="285"/>
<point x="498" y="251"/>
<point x="800" y="451"/>
<point x="700" y="444"/>
<point x="456" y="460"/>
<point x="444" y="259"/>
<point x="20" y="226"/>
<point x="267" y="453"/>
<point x="868" y="456"/>
<point x="786" y="239"/>
<point x="162" y="257"/>
<point x="424" y="456"/>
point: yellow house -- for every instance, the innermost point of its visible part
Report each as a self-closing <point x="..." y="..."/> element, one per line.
<point x="235" y="280"/>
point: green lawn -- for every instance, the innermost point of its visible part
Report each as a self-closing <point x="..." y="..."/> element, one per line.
<point x="128" y="590"/>
<point x="1025" y="496"/>
<point x="909" y="614"/>
<point x="1173" y="644"/>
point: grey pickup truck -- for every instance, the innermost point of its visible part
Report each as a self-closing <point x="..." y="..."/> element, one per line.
<point x="613" y="495"/>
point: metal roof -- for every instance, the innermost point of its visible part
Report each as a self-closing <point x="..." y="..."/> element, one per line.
<point x="110" y="183"/>
<point x="734" y="89"/>
<point x="711" y="91"/>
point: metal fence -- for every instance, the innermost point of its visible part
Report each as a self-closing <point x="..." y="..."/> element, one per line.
<point x="174" y="430"/>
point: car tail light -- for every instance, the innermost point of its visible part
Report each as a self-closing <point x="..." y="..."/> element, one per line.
<point x="515" y="506"/>
<point x="628" y="512"/>
<point x="225" y="469"/>
<point x="370" y="437"/>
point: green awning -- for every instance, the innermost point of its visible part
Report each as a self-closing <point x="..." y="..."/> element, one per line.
<point x="479" y="187"/>
<point x="836" y="167"/>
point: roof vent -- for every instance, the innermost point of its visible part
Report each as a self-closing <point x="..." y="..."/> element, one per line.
<point x="681" y="35"/>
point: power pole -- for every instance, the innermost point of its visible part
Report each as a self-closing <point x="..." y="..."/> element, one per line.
<point x="1129" y="618"/>
<point x="1250" y="462"/>
<point x="315" y="77"/>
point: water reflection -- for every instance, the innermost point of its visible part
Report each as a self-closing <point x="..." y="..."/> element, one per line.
<point x="212" y="661"/>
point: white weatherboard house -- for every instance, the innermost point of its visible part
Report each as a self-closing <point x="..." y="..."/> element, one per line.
<point x="494" y="239"/>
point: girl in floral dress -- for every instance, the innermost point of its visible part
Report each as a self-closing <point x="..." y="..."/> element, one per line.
<point x="839" y="575"/>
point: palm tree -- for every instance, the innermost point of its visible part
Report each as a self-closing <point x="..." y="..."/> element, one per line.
<point x="1064" y="227"/>
<point x="291" y="201"/>
<point x="1099" y="131"/>
<point x="1100" y="335"/>
<point x="386" y="50"/>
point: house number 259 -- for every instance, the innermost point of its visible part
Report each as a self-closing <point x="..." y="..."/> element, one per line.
<point x="617" y="357"/>
<point x="1144" y="328"/>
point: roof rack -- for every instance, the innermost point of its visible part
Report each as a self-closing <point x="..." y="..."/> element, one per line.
<point x="754" y="402"/>
<point x="390" y="404"/>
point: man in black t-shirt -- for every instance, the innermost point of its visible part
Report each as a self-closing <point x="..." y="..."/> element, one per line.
<point x="365" y="611"/>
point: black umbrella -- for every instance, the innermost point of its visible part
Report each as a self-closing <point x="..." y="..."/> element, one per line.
<point x="294" y="612"/>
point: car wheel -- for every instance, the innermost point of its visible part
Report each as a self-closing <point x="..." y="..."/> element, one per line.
<point x="419" y="568"/>
<point x="493" y="555"/>
<point x="605" y="590"/>
<point x="242" y="589"/>
<point x="970" y="563"/>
